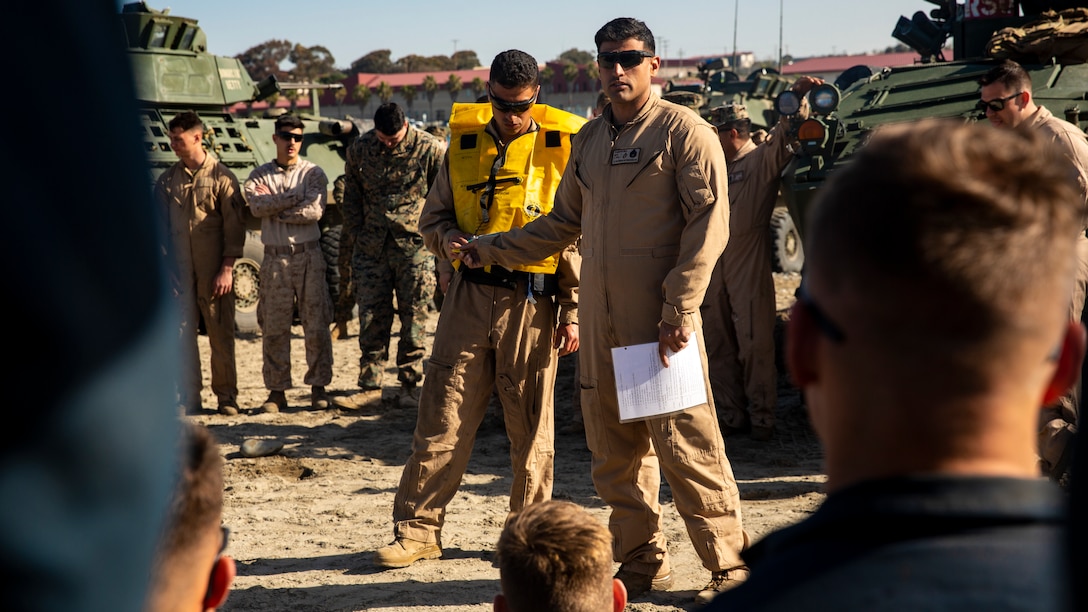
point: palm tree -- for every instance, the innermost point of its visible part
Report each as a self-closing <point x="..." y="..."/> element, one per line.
<point x="362" y="95"/>
<point x="570" y="74"/>
<point x="478" y="87"/>
<point x="430" y="88"/>
<point x="453" y="87"/>
<point x="339" y="96"/>
<point x="547" y="78"/>
<point x="385" y="92"/>
<point x="409" y="94"/>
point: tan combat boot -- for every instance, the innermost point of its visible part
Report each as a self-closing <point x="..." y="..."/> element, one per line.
<point x="404" y="552"/>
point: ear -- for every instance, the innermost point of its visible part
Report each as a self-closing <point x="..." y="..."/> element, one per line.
<point x="499" y="604"/>
<point x="801" y="346"/>
<point x="619" y="595"/>
<point x="223" y="573"/>
<point x="1069" y="362"/>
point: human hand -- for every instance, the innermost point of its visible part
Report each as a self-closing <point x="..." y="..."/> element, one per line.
<point x="805" y="84"/>
<point x="261" y="189"/>
<point x="566" y="339"/>
<point x="463" y="248"/>
<point x="223" y="282"/>
<point x="671" y="338"/>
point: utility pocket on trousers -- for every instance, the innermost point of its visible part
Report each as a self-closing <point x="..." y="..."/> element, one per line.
<point x="591" y="415"/>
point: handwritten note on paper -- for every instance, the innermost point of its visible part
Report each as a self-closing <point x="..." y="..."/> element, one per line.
<point x="646" y="388"/>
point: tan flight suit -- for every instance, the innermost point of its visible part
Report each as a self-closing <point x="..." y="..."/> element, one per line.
<point x="293" y="269"/>
<point x="739" y="309"/>
<point x="650" y="201"/>
<point x="1058" y="423"/>
<point x="488" y="338"/>
<point x="204" y="213"/>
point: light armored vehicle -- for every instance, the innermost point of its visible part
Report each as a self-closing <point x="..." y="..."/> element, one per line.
<point x="863" y="99"/>
<point x="174" y="72"/>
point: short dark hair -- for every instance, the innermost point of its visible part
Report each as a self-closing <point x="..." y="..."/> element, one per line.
<point x="389" y="118"/>
<point x="197" y="503"/>
<point x="1010" y="74"/>
<point x="514" y="68"/>
<point x="288" y="122"/>
<point x="625" y="28"/>
<point x="186" y="120"/>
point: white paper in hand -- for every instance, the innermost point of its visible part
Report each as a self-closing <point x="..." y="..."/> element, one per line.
<point x="646" y="388"/>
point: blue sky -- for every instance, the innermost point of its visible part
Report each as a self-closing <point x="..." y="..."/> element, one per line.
<point x="352" y="28"/>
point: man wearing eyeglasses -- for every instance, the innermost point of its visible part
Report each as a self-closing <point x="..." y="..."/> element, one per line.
<point x="925" y="353"/>
<point x="288" y="195"/>
<point x="646" y="189"/>
<point x="1006" y="98"/>
<point x="389" y="171"/>
<point x="501" y="329"/>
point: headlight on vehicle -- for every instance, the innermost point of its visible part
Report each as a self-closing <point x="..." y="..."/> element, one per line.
<point x="813" y="136"/>
<point x="787" y="103"/>
<point x="824" y="99"/>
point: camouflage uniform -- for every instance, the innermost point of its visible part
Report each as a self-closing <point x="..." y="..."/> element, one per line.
<point x="383" y="197"/>
<point x="293" y="269"/>
<point x="204" y="215"/>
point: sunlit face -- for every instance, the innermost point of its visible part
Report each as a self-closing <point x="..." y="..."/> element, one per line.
<point x="187" y="144"/>
<point x="1013" y="112"/>
<point x="288" y="144"/>
<point x="512" y="108"/>
<point x="391" y="141"/>
<point x="627" y="86"/>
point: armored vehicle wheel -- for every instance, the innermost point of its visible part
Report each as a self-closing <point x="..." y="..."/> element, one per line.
<point x="247" y="284"/>
<point x="787" y="254"/>
<point x="330" y="248"/>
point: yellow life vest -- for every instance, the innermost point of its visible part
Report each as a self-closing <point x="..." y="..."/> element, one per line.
<point x="524" y="187"/>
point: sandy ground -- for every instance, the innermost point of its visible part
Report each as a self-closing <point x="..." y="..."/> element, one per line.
<point x="303" y="522"/>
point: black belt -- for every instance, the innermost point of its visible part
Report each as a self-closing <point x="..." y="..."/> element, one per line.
<point x="539" y="283"/>
<point x="291" y="249"/>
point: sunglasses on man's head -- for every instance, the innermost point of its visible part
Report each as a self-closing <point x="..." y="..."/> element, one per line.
<point x="995" y="105"/>
<point x="290" y="136"/>
<point x="507" y="106"/>
<point x="626" y="59"/>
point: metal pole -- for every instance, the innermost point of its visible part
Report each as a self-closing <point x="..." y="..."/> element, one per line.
<point x="780" y="35"/>
<point x="736" y="11"/>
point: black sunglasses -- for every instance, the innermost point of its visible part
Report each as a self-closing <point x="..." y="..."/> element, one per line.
<point x="826" y="325"/>
<point x="507" y="106"/>
<point x="290" y="136"/>
<point x="626" y="59"/>
<point x="995" y="105"/>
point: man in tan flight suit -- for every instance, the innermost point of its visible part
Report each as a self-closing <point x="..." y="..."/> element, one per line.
<point x="739" y="308"/>
<point x="499" y="329"/>
<point x="646" y="188"/>
<point x="204" y="208"/>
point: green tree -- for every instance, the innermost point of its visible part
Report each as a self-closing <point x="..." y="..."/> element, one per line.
<point x="266" y="59"/>
<point x="478" y="87"/>
<point x="464" y="60"/>
<point x="362" y="94"/>
<point x="311" y="63"/>
<point x="292" y="95"/>
<point x="385" y="92"/>
<point x="409" y="94"/>
<point x="453" y="87"/>
<point x="375" y="62"/>
<point x="430" y="88"/>
<point x="576" y="56"/>
<point x="593" y="71"/>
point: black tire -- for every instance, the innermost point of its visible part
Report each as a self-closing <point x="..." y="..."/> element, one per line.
<point x="787" y="253"/>
<point x="247" y="284"/>
<point x="330" y="248"/>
